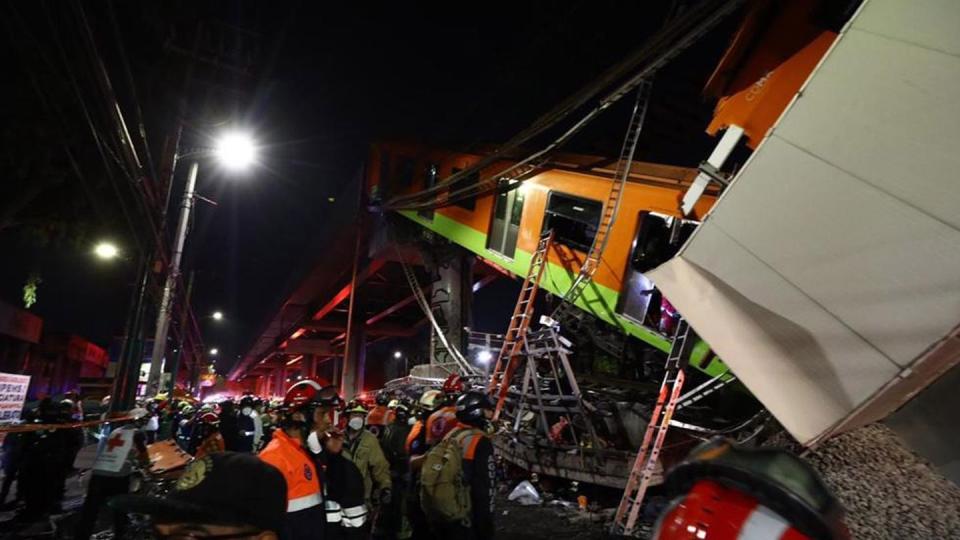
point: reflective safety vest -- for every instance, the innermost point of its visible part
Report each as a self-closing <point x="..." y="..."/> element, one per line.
<point x="440" y="423"/>
<point x="412" y="436"/>
<point x="351" y="518"/>
<point x="380" y="416"/>
<point x="303" y="483"/>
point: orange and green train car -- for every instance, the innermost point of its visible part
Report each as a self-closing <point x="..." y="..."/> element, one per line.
<point x="504" y="227"/>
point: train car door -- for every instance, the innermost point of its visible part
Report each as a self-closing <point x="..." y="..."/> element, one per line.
<point x="657" y="240"/>
<point x="505" y="223"/>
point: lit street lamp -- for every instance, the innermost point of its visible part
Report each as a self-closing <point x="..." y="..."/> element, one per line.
<point x="214" y="351"/>
<point x="234" y="151"/>
<point x="484" y="357"/>
<point x="397" y="354"/>
<point x="106" y="250"/>
<point x="217" y="315"/>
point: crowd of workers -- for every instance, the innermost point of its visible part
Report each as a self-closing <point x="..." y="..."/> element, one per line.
<point x="401" y="467"/>
<point x="315" y="467"/>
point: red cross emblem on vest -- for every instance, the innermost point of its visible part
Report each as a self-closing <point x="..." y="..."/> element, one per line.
<point x="115" y="441"/>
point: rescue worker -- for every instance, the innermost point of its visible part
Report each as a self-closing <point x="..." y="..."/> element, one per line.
<point x="121" y="451"/>
<point x="722" y="491"/>
<point x="305" y="512"/>
<point x="185" y="427"/>
<point x="474" y="411"/>
<point x="246" y="426"/>
<point x="444" y="419"/>
<point x="347" y="512"/>
<point x="229" y="426"/>
<point x="227" y="496"/>
<point x="416" y="443"/>
<point x="209" y="439"/>
<point x="416" y="447"/>
<point x="363" y="449"/>
<point x="394" y="523"/>
<point x="380" y="416"/>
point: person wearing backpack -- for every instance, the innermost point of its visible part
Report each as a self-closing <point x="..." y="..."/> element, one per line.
<point x="457" y="482"/>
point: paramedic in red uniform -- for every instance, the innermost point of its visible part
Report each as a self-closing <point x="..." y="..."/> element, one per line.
<point x="305" y="518"/>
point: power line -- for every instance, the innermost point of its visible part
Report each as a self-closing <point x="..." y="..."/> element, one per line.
<point x="674" y="38"/>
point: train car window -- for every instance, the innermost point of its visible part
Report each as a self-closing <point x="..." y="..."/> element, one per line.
<point x="505" y="221"/>
<point x="429" y="180"/>
<point x="574" y="220"/>
<point x="468" y="203"/>
<point x="656" y="241"/>
<point x="404" y="175"/>
<point x="658" y="238"/>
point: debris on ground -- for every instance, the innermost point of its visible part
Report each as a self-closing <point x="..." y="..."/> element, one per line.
<point x="887" y="490"/>
<point x="525" y="494"/>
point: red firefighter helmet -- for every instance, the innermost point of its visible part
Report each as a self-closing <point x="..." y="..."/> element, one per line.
<point x="722" y="491"/>
<point x="453" y="384"/>
<point x="310" y="392"/>
<point x="210" y="418"/>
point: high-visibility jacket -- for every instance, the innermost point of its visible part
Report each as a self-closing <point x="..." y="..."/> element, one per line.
<point x="411" y="446"/>
<point x="303" y="483"/>
<point x="380" y="416"/>
<point x="441" y="422"/>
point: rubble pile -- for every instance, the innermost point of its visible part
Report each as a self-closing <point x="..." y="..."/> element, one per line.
<point x="887" y="490"/>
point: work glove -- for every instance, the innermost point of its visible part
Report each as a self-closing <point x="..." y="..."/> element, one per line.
<point x="385" y="497"/>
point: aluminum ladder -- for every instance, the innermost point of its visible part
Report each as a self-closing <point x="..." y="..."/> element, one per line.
<point x="508" y="359"/>
<point x="566" y="308"/>
<point x="625" y="520"/>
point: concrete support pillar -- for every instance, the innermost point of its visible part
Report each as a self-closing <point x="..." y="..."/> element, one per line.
<point x="279" y="380"/>
<point x="451" y="298"/>
<point x="355" y="362"/>
<point x="335" y="363"/>
<point x="310" y="365"/>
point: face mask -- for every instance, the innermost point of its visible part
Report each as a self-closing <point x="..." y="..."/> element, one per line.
<point x="355" y="423"/>
<point x="246" y="411"/>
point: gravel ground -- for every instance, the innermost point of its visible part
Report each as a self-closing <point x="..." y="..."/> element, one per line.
<point x="888" y="491"/>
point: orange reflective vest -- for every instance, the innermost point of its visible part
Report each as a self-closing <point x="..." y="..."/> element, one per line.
<point x="380" y="416"/>
<point x="412" y="436"/>
<point x="440" y="423"/>
<point x="303" y="484"/>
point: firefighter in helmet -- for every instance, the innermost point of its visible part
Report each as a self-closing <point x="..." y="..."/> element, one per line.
<point x="723" y="491"/>
<point x="363" y="449"/>
<point x="444" y="419"/>
<point x="381" y="415"/>
<point x="209" y="439"/>
<point x="305" y="511"/>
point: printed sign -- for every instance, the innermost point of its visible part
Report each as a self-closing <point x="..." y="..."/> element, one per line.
<point x="115" y="451"/>
<point x="13" y="392"/>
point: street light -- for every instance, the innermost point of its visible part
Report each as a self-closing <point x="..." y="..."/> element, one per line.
<point x="397" y="355"/>
<point x="217" y="315"/>
<point x="214" y="351"/>
<point x="234" y="150"/>
<point x="106" y="250"/>
<point x="484" y="357"/>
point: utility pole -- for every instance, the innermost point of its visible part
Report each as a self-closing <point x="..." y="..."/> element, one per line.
<point x="169" y="288"/>
<point x="178" y="354"/>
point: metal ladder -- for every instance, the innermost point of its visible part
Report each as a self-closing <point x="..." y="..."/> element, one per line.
<point x="610" y="209"/>
<point x="508" y="359"/>
<point x="625" y="520"/>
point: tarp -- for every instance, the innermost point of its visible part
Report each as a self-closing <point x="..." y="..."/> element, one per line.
<point x="828" y="274"/>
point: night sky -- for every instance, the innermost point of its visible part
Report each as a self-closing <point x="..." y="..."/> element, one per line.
<point x="327" y="79"/>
